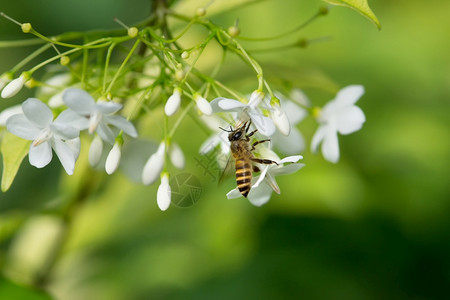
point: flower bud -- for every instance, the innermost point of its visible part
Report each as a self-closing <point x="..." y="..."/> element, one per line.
<point x="64" y="60"/>
<point x="281" y="120"/>
<point x="255" y="98"/>
<point x="154" y="165"/>
<point x="203" y="105"/>
<point x="133" y="32"/>
<point x="176" y="156"/>
<point x="13" y="87"/>
<point x="173" y="103"/>
<point x="185" y="55"/>
<point x="95" y="151"/>
<point x="200" y="12"/>
<point x="26" y="27"/>
<point x="113" y="159"/>
<point x="163" y="196"/>
<point x="233" y="31"/>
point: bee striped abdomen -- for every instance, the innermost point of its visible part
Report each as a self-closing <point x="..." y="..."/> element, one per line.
<point x="243" y="176"/>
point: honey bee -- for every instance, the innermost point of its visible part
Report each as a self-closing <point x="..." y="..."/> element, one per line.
<point x="241" y="150"/>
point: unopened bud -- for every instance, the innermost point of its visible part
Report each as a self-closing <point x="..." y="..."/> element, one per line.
<point x="185" y="55"/>
<point x="179" y="74"/>
<point x="13" y="87"/>
<point x="233" y="31"/>
<point x="26" y="27"/>
<point x="200" y="12"/>
<point x="133" y="32"/>
<point x="64" y="60"/>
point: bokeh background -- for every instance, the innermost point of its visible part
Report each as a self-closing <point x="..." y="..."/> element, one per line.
<point x="375" y="225"/>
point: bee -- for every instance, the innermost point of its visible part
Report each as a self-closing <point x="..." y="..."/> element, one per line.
<point x="241" y="149"/>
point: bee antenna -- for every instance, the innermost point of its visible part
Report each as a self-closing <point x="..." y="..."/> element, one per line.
<point x="224" y="129"/>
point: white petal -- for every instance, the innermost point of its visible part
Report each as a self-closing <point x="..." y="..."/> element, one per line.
<point x="40" y="155"/>
<point x="79" y="100"/>
<point x="37" y="112"/>
<point x="65" y="131"/>
<point x="177" y="156"/>
<point x="264" y="124"/>
<point x="330" y="146"/>
<point x="65" y="155"/>
<point x="233" y="194"/>
<point x="107" y="107"/>
<point x="318" y="137"/>
<point x="58" y="80"/>
<point x="95" y="151"/>
<point x="255" y="98"/>
<point x="298" y="96"/>
<point x="56" y="100"/>
<point x="163" y="196"/>
<point x="73" y="119"/>
<point x="113" y="159"/>
<point x="291" y="159"/>
<point x="8" y="112"/>
<point x="350" y="120"/>
<point x="349" y="95"/>
<point x="13" y="87"/>
<point x="287" y="169"/>
<point x="270" y="181"/>
<point x="122" y="124"/>
<point x="260" y="195"/>
<point x="154" y="166"/>
<point x="106" y="133"/>
<point x="203" y="105"/>
<point x="280" y="120"/>
<point x="294" y="113"/>
<point x="229" y="104"/>
<point x="173" y="103"/>
<point x="292" y="144"/>
<point x="261" y="177"/>
<point x="20" y="126"/>
<point x="74" y="145"/>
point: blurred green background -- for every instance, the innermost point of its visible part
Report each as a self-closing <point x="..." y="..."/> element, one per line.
<point x="373" y="226"/>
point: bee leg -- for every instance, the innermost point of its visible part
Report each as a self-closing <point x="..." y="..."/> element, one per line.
<point x="248" y="126"/>
<point x="258" y="142"/>
<point x="264" y="161"/>
<point x="256" y="169"/>
<point x="250" y="134"/>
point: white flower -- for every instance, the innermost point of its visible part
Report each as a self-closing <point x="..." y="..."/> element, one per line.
<point x="36" y="124"/>
<point x="95" y="151"/>
<point x="264" y="124"/>
<point x="163" y="196"/>
<point x="173" y="103"/>
<point x="13" y="87"/>
<point x="281" y="120"/>
<point x="176" y="156"/>
<point x="203" y="105"/>
<point x="154" y="165"/>
<point x="8" y="112"/>
<point x="4" y="79"/>
<point x="339" y="115"/>
<point x="264" y="184"/>
<point x="113" y="159"/>
<point x="100" y="117"/>
<point x="294" y="142"/>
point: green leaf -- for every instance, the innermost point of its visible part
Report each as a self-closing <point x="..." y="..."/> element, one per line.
<point x="13" y="150"/>
<point x="360" y="6"/>
<point x="12" y="290"/>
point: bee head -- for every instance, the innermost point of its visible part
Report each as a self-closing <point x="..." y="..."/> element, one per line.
<point x="236" y="134"/>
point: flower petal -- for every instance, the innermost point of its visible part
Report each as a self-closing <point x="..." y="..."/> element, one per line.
<point x="294" y="112"/>
<point x="19" y="125"/>
<point x="318" y="137"/>
<point x="95" y="151"/>
<point x="107" y="107"/>
<point x="229" y="104"/>
<point x="163" y="196"/>
<point x="40" y="155"/>
<point x="113" y="159"/>
<point x="65" y="155"/>
<point x="73" y="119"/>
<point x="287" y="169"/>
<point x="234" y="193"/>
<point x="79" y="100"/>
<point x="330" y="146"/>
<point x="106" y="133"/>
<point x="264" y="124"/>
<point x="349" y="95"/>
<point x="37" y="112"/>
<point x="350" y="120"/>
<point x="292" y="144"/>
<point x="260" y="195"/>
<point x="8" y="112"/>
<point x="291" y="159"/>
<point x="65" y="131"/>
<point x="121" y="123"/>
<point x="177" y="156"/>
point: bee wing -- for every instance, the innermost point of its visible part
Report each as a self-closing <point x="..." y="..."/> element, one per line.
<point x="228" y="170"/>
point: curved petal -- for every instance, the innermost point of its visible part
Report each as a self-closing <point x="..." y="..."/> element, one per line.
<point x="19" y="125"/>
<point x="264" y="124"/>
<point x="233" y="194"/>
<point x="79" y="100"/>
<point x="74" y="145"/>
<point x="288" y="169"/>
<point x="107" y="107"/>
<point x="73" y="119"/>
<point x="106" y="133"/>
<point x="37" y="112"/>
<point x="294" y="112"/>
<point x="65" y="155"/>
<point x="261" y="177"/>
<point x="349" y="95"/>
<point x="40" y="155"/>
<point x="291" y="159"/>
<point x="229" y="104"/>
<point x="292" y="144"/>
<point x="260" y="195"/>
<point x="8" y="112"/>
<point x="121" y="123"/>
<point x="318" y="137"/>
<point x="350" y="120"/>
<point x="65" y="131"/>
<point x="330" y="146"/>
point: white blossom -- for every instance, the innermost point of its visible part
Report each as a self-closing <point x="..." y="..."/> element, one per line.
<point x="176" y="156"/>
<point x="113" y="159"/>
<point x="173" y="103"/>
<point x="154" y="165"/>
<point x="95" y="151"/>
<point x="13" y="87"/>
<point x="339" y="115"/>
<point x="100" y="117"/>
<point x="36" y="124"/>
<point x="264" y="184"/>
<point x="203" y="105"/>
<point x="8" y="112"/>
<point x="163" y="196"/>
